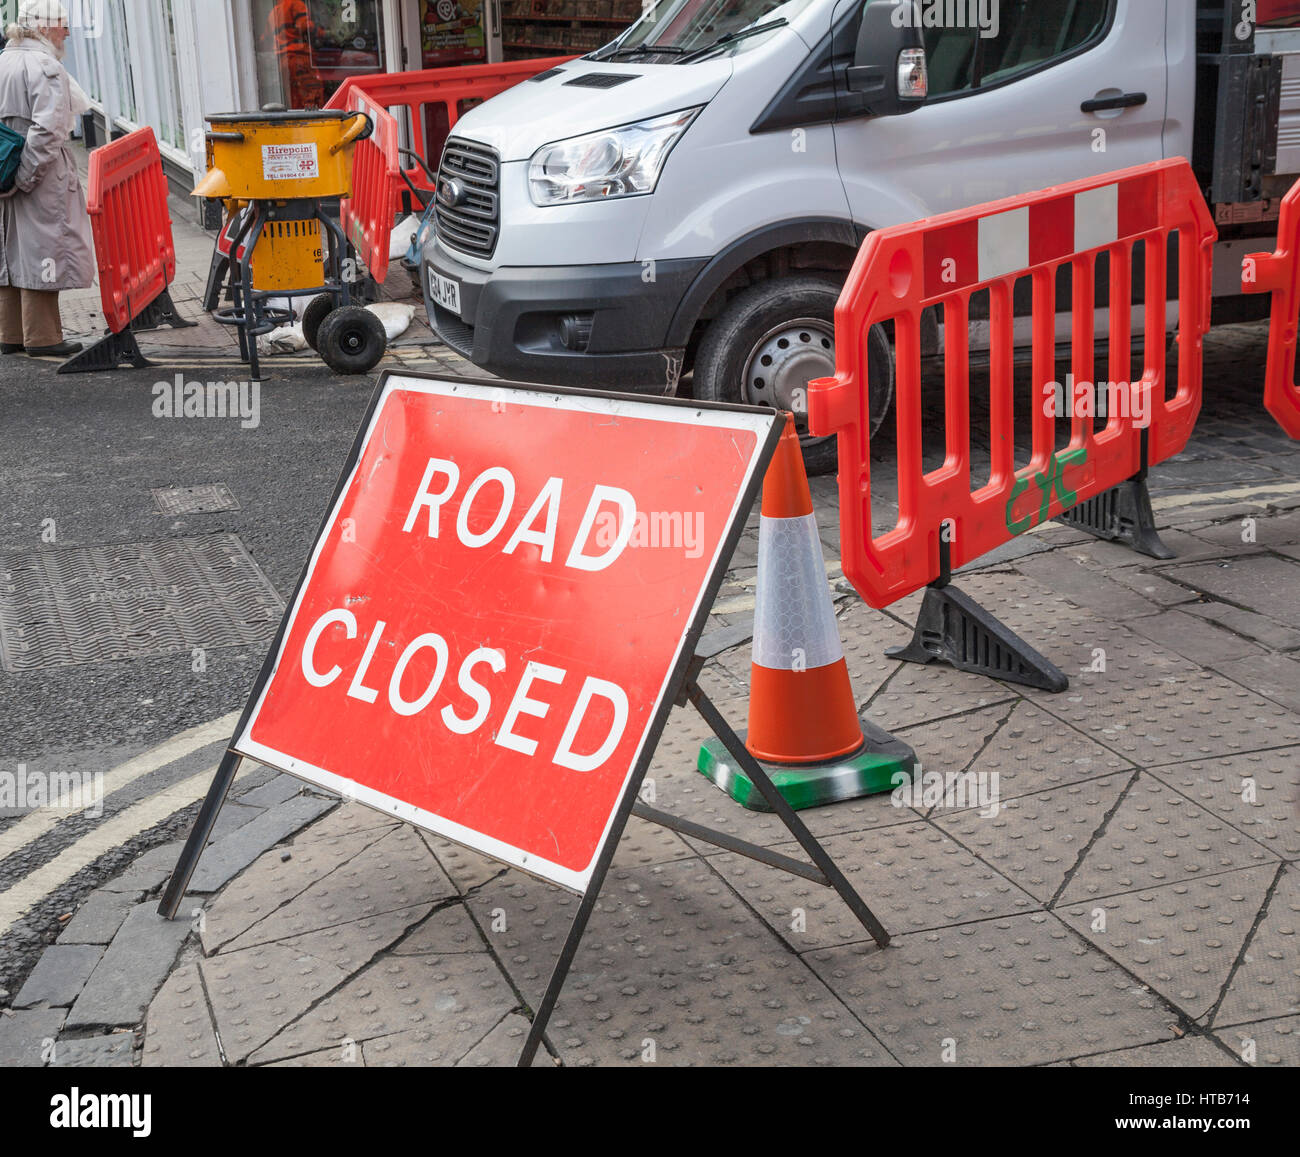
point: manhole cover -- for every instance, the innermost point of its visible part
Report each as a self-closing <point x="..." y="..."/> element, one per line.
<point x="131" y="600"/>
<point x="206" y="499"/>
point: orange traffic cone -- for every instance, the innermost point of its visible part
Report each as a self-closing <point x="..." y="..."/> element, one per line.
<point x="803" y="720"/>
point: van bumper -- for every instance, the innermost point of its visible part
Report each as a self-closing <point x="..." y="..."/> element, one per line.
<point x="594" y="326"/>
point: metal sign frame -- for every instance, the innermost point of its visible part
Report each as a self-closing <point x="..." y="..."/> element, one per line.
<point x="681" y="688"/>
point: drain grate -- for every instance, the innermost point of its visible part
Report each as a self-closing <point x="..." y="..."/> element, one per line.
<point x="207" y="499"/>
<point x="93" y="604"/>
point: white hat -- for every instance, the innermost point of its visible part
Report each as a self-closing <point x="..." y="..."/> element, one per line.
<point x="41" y="14"/>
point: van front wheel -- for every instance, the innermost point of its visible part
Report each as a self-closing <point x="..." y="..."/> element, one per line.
<point x="771" y="340"/>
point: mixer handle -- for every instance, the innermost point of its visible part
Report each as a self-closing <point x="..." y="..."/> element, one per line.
<point x="236" y="138"/>
<point x="359" y="132"/>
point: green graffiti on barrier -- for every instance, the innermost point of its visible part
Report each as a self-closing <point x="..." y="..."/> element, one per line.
<point x="1053" y="481"/>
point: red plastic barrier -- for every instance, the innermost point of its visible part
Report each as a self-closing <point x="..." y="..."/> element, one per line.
<point x="943" y="262"/>
<point x="127" y="201"/>
<point x="436" y="98"/>
<point x="1278" y="273"/>
<point x="367" y="215"/>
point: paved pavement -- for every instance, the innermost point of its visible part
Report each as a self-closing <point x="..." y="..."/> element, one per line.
<point x="1132" y="901"/>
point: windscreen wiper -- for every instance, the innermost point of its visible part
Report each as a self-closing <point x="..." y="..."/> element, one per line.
<point x="740" y="34"/>
<point x="648" y="49"/>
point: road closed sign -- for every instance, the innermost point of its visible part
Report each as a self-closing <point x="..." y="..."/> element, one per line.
<point x="500" y="607"/>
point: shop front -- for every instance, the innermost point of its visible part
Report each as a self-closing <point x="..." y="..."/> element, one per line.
<point x="169" y="63"/>
<point x="305" y="49"/>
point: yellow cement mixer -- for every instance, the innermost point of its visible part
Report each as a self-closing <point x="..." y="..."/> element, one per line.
<point x="273" y="169"/>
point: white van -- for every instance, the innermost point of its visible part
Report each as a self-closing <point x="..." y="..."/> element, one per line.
<point x="690" y="197"/>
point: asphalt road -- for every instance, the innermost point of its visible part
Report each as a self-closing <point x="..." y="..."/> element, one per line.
<point x="81" y="457"/>
<point x="85" y="452"/>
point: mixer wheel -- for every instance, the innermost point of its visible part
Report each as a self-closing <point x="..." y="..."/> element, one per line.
<point x="318" y="309"/>
<point x="352" y="340"/>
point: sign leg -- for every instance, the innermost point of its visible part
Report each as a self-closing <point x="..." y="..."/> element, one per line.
<point x="819" y="856"/>
<point x="199" y="834"/>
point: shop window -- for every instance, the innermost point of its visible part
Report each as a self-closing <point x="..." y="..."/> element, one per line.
<point x="452" y="32"/>
<point x="306" y="49"/>
<point x="563" y="27"/>
<point x="122" y="74"/>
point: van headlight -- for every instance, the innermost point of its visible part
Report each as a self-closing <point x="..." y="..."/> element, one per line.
<point x="618" y="162"/>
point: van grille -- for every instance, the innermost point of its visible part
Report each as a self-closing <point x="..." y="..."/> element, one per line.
<point x="471" y="225"/>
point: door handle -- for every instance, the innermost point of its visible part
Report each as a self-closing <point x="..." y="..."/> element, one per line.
<point x="1124" y="100"/>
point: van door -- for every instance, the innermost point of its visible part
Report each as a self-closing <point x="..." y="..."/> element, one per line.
<point x="1023" y="94"/>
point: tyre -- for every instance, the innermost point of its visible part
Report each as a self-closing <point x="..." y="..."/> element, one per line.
<point x="771" y="340"/>
<point x="352" y="340"/>
<point x="318" y="309"/>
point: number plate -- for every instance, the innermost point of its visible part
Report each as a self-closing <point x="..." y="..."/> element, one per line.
<point x="445" y="292"/>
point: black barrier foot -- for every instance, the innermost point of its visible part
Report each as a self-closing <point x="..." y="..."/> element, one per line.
<point x="953" y="628"/>
<point x="1121" y="515"/>
<point x="161" y="311"/>
<point x="107" y="354"/>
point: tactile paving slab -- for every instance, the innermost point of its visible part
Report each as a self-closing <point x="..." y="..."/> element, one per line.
<point x="1258" y="793"/>
<point x="1267" y="982"/>
<point x="1260" y="582"/>
<point x="948" y="746"/>
<point x="449" y="929"/>
<point x="1042" y="616"/>
<point x="69" y="605"/>
<point x="210" y="498"/>
<point x="1036" y="840"/>
<point x="917" y="695"/>
<point x="646" y="843"/>
<point x="178" y="1031"/>
<point x="442" y="1005"/>
<point x="349" y="818"/>
<point x="912" y="877"/>
<point x="1190" y="1052"/>
<point x="1183" y="939"/>
<point x="355" y="943"/>
<point x="352" y="1058"/>
<point x="1034" y="751"/>
<point x="1156" y="836"/>
<point x="396" y="872"/>
<point x="254" y="993"/>
<point x="1274" y="1043"/>
<point x="466" y="868"/>
<point x="1020" y="991"/>
<point x="866" y="634"/>
<point x="673" y="970"/>
<point x="501" y="1047"/>
<point x="272" y="881"/>
<point x="1157" y="708"/>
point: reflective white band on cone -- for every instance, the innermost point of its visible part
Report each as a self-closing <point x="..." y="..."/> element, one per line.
<point x="794" y="621"/>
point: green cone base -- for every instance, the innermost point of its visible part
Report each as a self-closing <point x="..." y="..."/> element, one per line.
<point x="880" y="765"/>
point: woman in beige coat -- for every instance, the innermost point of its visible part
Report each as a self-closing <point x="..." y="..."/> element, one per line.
<point x="45" y="239"/>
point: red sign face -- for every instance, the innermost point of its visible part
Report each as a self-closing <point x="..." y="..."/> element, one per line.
<point x="489" y="625"/>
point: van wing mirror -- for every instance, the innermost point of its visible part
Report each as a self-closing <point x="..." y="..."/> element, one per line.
<point x="889" y="68"/>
